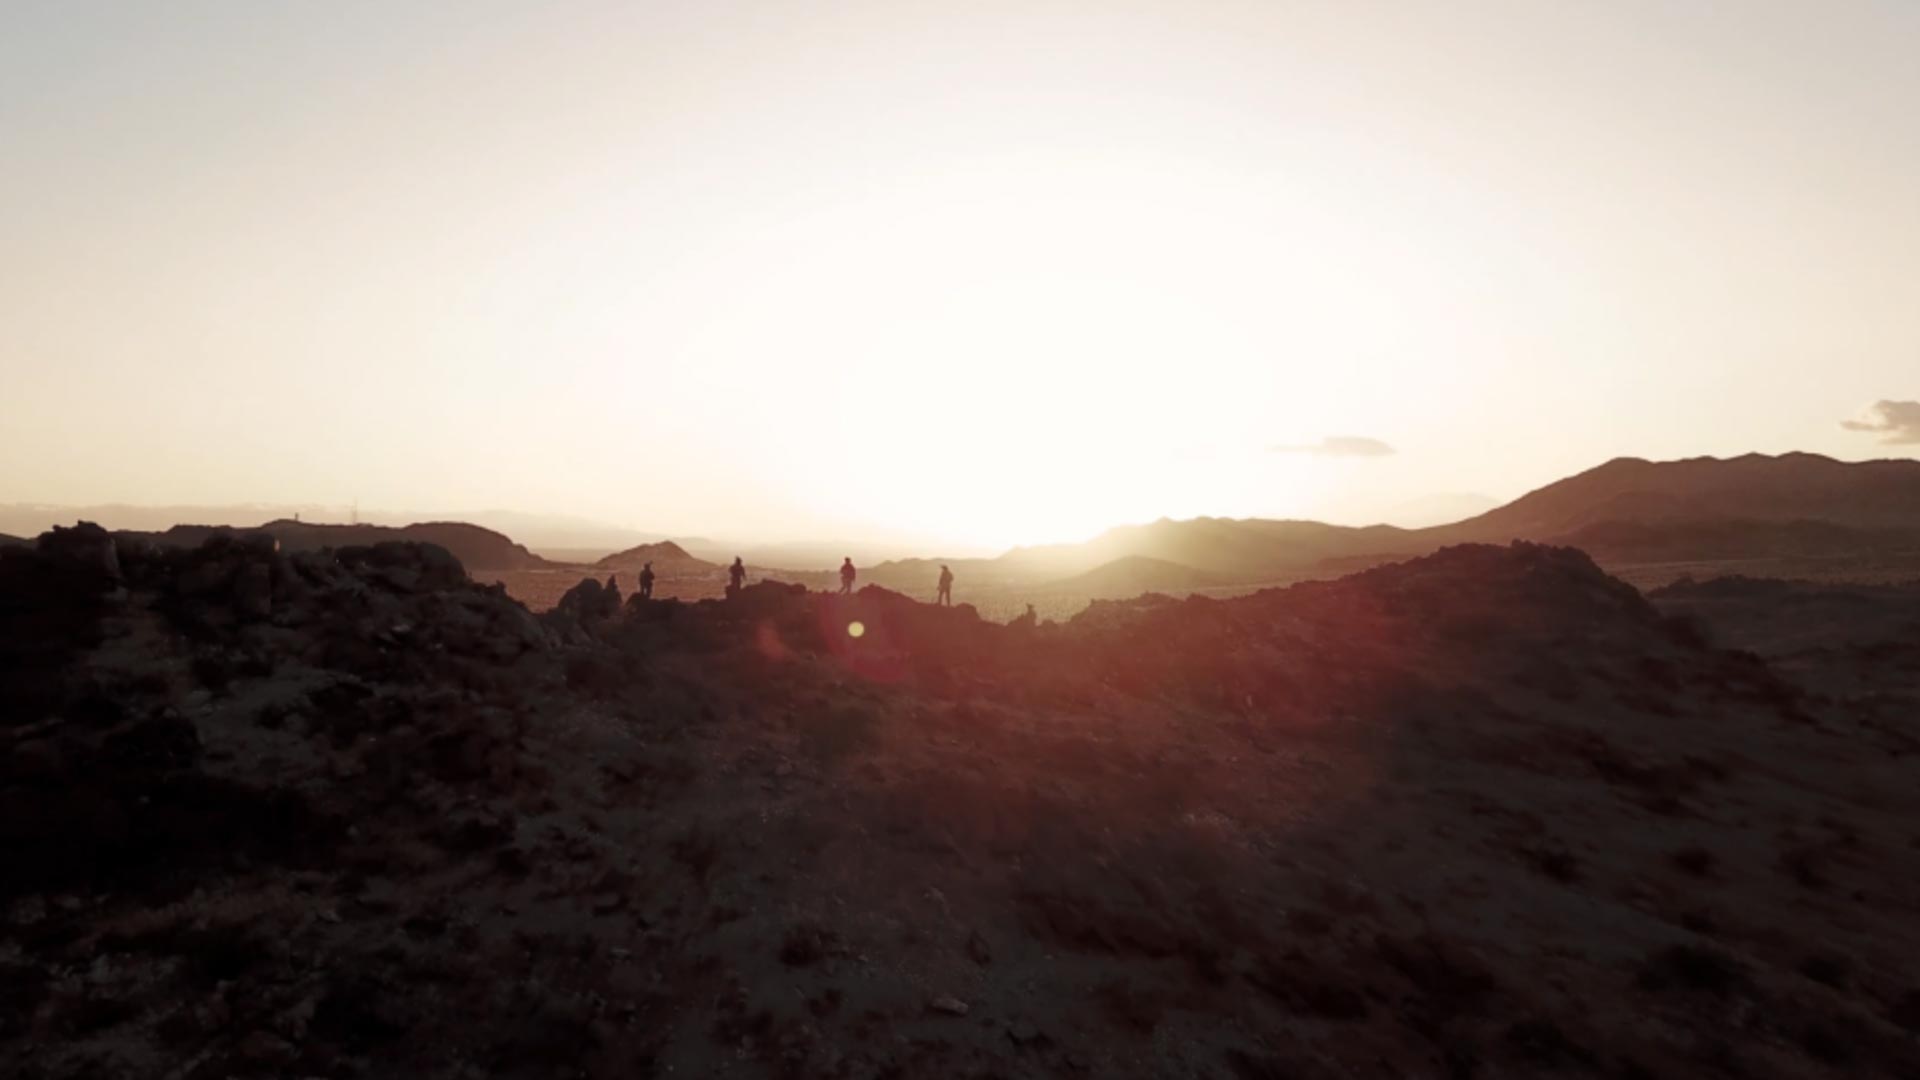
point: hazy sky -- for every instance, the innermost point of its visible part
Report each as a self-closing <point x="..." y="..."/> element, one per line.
<point x="980" y="271"/>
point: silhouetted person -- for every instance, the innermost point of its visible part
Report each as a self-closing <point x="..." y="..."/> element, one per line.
<point x="736" y="576"/>
<point x="846" y="576"/>
<point x="646" y="582"/>
<point x="946" y="586"/>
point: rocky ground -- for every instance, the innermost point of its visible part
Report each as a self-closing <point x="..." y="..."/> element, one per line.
<point x="1488" y="813"/>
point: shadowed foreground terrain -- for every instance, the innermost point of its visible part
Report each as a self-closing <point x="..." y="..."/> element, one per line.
<point x="1485" y="813"/>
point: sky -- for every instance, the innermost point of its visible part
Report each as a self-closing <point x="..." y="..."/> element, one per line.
<point x="970" y="274"/>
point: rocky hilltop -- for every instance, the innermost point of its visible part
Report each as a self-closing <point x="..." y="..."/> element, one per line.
<point x="667" y="557"/>
<point x="1486" y="813"/>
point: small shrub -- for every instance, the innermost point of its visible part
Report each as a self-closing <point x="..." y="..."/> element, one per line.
<point x="698" y="850"/>
<point x="1449" y="976"/>
<point x="544" y="1038"/>
<point x="1306" y="986"/>
<point x="1128" y="1006"/>
<point x="1906" y="1012"/>
<point x="1696" y="861"/>
<point x="1827" y="969"/>
<point x="1555" y="862"/>
<point x="1824" y="1044"/>
<point x="1258" y="1066"/>
<point x="1692" y="967"/>
<point x="213" y="671"/>
<point x="1701" y="921"/>
<point x="359" y="1014"/>
<point x="22" y="988"/>
<point x="839" y="732"/>
<point x="94" y="1013"/>
<point x="1806" y="865"/>
<point x="1541" y="1042"/>
<point x="597" y="676"/>
<point x="805" y="944"/>
<point x="1309" y="922"/>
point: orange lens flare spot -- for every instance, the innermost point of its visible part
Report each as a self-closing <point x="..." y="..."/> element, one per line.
<point x="856" y="629"/>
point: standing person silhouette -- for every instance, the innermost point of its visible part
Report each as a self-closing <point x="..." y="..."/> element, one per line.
<point x="646" y="582"/>
<point x="945" y="598"/>
<point x="736" y="576"/>
<point x="846" y="576"/>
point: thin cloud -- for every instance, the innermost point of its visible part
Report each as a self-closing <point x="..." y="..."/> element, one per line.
<point x="1337" y="446"/>
<point x="1897" y="422"/>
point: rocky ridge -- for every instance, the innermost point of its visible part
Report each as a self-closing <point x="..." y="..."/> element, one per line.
<point x="1485" y="813"/>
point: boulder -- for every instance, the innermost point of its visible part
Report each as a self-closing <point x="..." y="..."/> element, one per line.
<point x="253" y="591"/>
<point x="85" y="547"/>
<point x="590" y="601"/>
<point x="404" y="566"/>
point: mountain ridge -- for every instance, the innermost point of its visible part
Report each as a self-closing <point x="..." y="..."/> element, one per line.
<point x="1754" y="505"/>
<point x="476" y="547"/>
<point x="1624" y="510"/>
<point x="1877" y="493"/>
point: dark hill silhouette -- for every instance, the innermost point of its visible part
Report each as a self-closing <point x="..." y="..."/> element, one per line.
<point x="5" y="540"/>
<point x="1224" y="549"/>
<point x="475" y="547"/>
<point x="543" y="533"/>
<point x="1239" y="548"/>
<point x="666" y="556"/>
<point x="1862" y="495"/>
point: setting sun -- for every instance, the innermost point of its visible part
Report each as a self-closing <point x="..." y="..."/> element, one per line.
<point x="950" y="281"/>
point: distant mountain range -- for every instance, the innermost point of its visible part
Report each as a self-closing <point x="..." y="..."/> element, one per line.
<point x="539" y="532"/>
<point x="1628" y="511"/>
<point x="1869" y="496"/>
